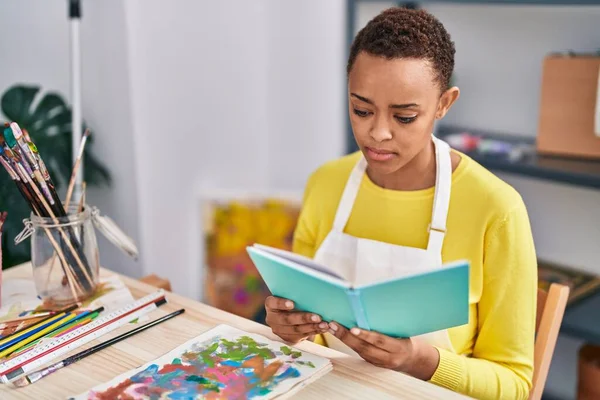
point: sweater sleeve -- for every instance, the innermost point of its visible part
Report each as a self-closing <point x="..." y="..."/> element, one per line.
<point x="501" y="366"/>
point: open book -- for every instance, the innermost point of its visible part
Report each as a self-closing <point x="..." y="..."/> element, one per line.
<point x="407" y="306"/>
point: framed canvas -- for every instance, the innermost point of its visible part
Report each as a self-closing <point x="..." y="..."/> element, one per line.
<point x="231" y="222"/>
<point x="580" y="283"/>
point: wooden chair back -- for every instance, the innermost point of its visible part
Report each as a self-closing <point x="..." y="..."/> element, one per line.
<point x="550" y="311"/>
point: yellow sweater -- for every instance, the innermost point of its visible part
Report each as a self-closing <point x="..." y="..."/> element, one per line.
<point x="488" y="225"/>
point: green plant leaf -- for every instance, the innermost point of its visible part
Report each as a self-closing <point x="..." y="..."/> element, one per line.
<point x="16" y="102"/>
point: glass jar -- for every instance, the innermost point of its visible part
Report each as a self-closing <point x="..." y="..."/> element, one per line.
<point x="64" y="257"/>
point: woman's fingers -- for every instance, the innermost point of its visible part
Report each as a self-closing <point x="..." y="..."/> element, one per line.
<point x="291" y="325"/>
<point x="278" y="303"/>
<point x="379" y="340"/>
<point x="299" y="330"/>
<point x="366" y="350"/>
<point x="291" y="318"/>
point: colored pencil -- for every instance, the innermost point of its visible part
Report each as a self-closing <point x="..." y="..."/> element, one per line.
<point x="27" y="317"/>
<point x="30" y="338"/>
<point x="6" y="343"/>
<point x="34" y="326"/>
<point x="36" y="376"/>
<point x="81" y="319"/>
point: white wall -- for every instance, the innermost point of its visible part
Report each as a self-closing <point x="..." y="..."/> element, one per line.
<point x="306" y="78"/>
<point x="198" y="89"/>
<point x="36" y="32"/>
<point x="189" y="97"/>
<point x="107" y="108"/>
<point x="499" y="53"/>
<point x="226" y="95"/>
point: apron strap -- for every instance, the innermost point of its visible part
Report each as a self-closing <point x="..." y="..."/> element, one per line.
<point x="350" y="191"/>
<point x="441" y="199"/>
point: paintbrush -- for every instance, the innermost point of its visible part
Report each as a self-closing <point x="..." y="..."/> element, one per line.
<point x="70" y="190"/>
<point x="27" y="317"/>
<point x="37" y="375"/>
<point x="76" y="167"/>
<point x="27" y="189"/>
<point x="3" y="216"/>
<point x="14" y="139"/>
<point x="56" y="206"/>
<point x="43" y="168"/>
<point x="72" y="255"/>
<point x="17" y="180"/>
<point x="10" y="164"/>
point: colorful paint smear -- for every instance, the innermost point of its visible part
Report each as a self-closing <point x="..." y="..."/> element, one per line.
<point x="233" y="283"/>
<point x="224" y="363"/>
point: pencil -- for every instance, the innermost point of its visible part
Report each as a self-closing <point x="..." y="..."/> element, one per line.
<point x="35" y="376"/>
<point x="75" y="323"/>
<point x="27" y="317"/>
<point x="28" y="333"/>
<point x="36" y="335"/>
<point x="37" y="325"/>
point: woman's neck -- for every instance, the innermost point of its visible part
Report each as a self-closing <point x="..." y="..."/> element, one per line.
<point x="418" y="174"/>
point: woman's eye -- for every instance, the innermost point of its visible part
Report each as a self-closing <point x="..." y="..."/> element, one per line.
<point x="361" y="113"/>
<point x="405" y="120"/>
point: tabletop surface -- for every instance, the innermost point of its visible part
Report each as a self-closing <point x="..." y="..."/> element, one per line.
<point x="351" y="378"/>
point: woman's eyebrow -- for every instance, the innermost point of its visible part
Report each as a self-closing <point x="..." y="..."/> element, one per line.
<point x="407" y="105"/>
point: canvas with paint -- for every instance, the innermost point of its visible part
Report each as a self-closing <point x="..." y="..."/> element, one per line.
<point x="222" y="363"/>
<point x="231" y="221"/>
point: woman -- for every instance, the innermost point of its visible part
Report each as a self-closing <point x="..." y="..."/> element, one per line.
<point x="406" y="201"/>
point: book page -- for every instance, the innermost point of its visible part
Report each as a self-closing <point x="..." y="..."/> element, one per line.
<point x="300" y="259"/>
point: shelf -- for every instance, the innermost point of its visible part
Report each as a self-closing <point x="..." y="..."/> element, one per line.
<point x="571" y="171"/>
<point x="493" y="2"/>
<point x="582" y="320"/>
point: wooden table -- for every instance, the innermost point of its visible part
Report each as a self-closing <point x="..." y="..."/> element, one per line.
<point x="350" y="378"/>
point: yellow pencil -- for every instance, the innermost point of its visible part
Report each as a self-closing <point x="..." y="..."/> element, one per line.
<point x="36" y="325"/>
<point x="24" y="332"/>
<point x="36" y="335"/>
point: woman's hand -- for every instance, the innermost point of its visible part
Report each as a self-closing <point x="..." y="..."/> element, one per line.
<point x="405" y="355"/>
<point x="292" y="326"/>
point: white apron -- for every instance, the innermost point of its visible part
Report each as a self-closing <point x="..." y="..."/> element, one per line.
<point x="366" y="260"/>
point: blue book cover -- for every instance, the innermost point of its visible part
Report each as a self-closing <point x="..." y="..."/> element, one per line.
<point x="402" y="307"/>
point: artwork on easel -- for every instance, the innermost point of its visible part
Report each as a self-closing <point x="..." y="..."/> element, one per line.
<point x="222" y="363"/>
<point x="231" y="223"/>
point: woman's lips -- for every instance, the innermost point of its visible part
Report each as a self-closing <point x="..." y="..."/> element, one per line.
<point x="379" y="155"/>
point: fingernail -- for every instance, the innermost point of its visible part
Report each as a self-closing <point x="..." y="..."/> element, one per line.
<point x="332" y="332"/>
<point x="289" y="304"/>
<point x="355" y="331"/>
<point x="322" y="325"/>
<point x="333" y="327"/>
<point x="315" y="318"/>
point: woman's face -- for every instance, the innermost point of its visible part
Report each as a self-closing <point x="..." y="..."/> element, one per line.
<point x="393" y="105"/>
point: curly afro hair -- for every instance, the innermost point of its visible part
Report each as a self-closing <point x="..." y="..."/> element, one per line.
<point x="407" y="33"/>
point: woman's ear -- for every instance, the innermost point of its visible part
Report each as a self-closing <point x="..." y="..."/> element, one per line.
<point x="446" y="101"/>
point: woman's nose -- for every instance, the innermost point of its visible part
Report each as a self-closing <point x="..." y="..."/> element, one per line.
<point x="381" y="130"/>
